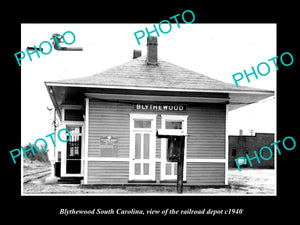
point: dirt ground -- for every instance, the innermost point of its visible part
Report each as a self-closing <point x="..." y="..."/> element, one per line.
<point x="246" y="182"/>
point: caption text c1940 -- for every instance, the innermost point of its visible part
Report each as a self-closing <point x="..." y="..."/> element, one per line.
<point x="164" y="212"/>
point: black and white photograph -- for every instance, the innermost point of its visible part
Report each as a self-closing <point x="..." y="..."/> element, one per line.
<point x="157" y="115"/>
<point x="150" y="112"/>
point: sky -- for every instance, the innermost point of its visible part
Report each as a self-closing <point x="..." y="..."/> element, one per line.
<point x="214" y="50"/>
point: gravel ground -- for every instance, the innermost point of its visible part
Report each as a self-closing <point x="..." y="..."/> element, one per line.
<point x="34" y="166"/>
<point x="248" y="181"/>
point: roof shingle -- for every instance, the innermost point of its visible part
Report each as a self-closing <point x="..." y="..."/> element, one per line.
<point x="138" y="74"/>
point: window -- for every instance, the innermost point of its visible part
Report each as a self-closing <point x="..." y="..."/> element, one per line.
<point x="174" y="125"/>
<point x="59" y="156"/>
<point x="74" y="146"/>
<point x="73" y="115"/>
<point x="171" y="170"/>
<point x="138" y="123"/>
<point x="234" y="151"/>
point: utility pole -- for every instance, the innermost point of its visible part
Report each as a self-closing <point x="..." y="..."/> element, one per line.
<point x="180" y="164"/>
<point x="54" y="124"/>
<point x="54" y="128"/>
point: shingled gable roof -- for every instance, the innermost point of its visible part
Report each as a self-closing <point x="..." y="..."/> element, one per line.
<point x="138" y="74"/>
<point x="157" y="77"/>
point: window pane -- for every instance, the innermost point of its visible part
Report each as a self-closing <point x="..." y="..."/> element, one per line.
<point x="168" y="168"/>
<point x="73" y="115"/>
<point x="146" y="168"/>
<point x="142" y="123"/>
<point x="175" y="168"/>
<point x="74" y="148"/>
<point x="137" y="169"/>
<point x="146" y="145"/>
<point x="74" y="129"/>
<point x="234" y="152"/>
<point x="73" y="166"/>
<point x="59" y="156"/>
<point x="137" y="146"/>
<point x="173" y="125"/>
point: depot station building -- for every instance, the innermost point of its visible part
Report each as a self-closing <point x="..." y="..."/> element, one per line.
<point x="114" y="117"/>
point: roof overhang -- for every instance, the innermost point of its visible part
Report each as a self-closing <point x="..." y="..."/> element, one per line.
<point x="74" y="94"/>
<point x="238" y="100"/>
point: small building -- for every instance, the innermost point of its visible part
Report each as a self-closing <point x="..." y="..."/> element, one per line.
<point x="113" y="117"/>
<point x="240" y="145"/>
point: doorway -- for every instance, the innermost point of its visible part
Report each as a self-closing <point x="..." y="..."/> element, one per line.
<point x="74" y="150"/>
<point x="142" y="146"/>
<point x="178" y="124"/>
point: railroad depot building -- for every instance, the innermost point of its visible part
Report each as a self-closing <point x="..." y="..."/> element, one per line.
<point x="114" y="118"/>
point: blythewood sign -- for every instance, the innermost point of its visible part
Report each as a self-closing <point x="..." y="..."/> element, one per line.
<point x="160" y="107"/>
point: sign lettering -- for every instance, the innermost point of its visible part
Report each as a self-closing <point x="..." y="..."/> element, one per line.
<point x="160" y="107"/>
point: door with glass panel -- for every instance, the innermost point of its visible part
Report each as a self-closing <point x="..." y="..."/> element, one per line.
<point x="74" y="147"/>
<point x="179" y="125"/>
<point x="142" y="143"/>
<point x="168" y="169"/>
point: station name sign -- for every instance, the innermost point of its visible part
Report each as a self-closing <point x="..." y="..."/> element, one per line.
<point x="160" y="107"/>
